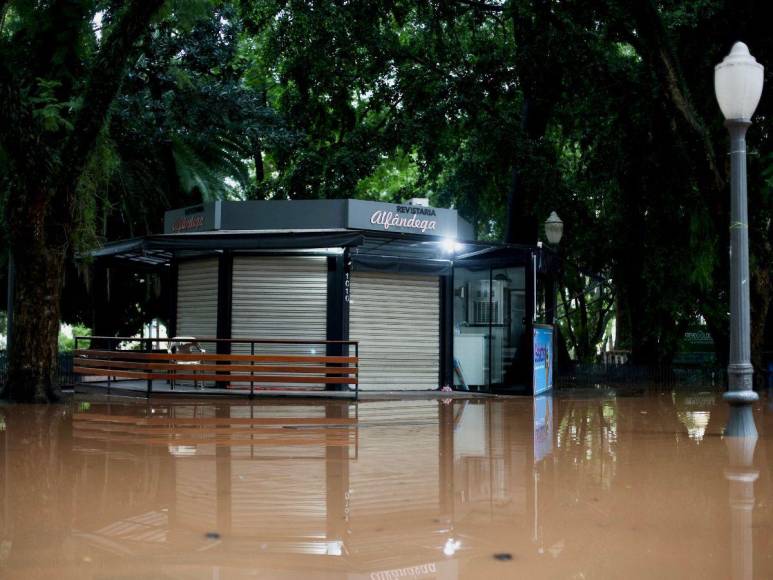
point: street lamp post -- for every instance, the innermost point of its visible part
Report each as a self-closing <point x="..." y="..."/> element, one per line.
<point x="554" y="229"/>
<point x="738" y="87"/>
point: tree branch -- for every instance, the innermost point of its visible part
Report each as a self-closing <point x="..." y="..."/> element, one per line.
<point x="604" y="313"/>
<point x="564" y="301"/>
<point x="105" y="79"/>
<point x="3" y="10"/>
<point x="482" y="5"/>
<point x="654" y="44"/>
<point x="55" y="43"/>
<point x="15" y="122"/>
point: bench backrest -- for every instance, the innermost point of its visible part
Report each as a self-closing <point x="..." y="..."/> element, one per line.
<point x="237" y="370"/>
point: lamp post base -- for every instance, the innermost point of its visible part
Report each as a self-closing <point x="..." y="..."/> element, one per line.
<point x="740" y="394"/>
<point x="738" y="398"/>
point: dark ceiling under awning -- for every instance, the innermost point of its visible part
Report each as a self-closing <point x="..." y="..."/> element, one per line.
<point x="153" y="251"/>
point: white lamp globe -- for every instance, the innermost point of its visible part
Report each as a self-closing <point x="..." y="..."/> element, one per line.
<point x="554" y="228"/>
<point x="738" y="83"/>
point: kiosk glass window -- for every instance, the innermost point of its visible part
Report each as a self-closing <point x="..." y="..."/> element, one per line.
<point x="472" y="315"/>
<point x="489" y="325"/>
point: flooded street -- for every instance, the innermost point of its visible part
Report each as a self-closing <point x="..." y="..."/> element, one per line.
<point x="581" y="485"/>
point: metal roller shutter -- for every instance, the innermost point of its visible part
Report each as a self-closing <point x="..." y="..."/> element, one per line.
<point x="396" y="319"/>
<point x="280" y="297"/>
<point x="197" y="299"/>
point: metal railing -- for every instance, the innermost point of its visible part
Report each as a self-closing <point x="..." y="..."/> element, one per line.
<point x="270" y="361"/>
<point x="592" y="374"/>
<point x="63" y="376"/>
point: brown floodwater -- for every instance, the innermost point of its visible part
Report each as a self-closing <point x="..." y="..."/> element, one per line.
<point x="591" y="484"/>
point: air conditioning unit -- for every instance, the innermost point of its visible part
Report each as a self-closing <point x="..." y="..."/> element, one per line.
<point x="422" y="201"/>
<point x="487" y="309"/>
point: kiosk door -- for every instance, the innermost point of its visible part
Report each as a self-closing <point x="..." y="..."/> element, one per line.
<point x="280" y="297"/>
<point x="510" y="345"/>
<point x="197" y="299"/>
<point x="396" y="318"/>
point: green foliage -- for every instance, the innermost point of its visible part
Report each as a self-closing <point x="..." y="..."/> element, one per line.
<point x="93" y="191"/>
<point x="602" y="111"/>
<point x="394" y="179"/>
<point x="52" y="114"/>
<point x="185" y="127"/>
<point x="67" y="342"/>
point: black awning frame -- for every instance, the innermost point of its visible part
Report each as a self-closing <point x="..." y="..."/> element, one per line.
<point x="160" y="250"/>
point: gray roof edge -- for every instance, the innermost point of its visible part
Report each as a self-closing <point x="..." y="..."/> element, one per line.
<point x="112" y="248"/>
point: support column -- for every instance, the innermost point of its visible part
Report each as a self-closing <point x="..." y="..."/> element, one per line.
<point x="171" y="323"/>
<point x="224" y="285"/>
<point x="447" y="330"/>
<point x="224" y="298"/>
<point x="531" y="316"/>
<point x="338" y="277"/>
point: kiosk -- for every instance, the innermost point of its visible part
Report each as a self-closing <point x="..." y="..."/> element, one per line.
<point x="429" y="304"/>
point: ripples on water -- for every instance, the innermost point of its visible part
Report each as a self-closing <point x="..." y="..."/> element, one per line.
<point x="566" y="487"/>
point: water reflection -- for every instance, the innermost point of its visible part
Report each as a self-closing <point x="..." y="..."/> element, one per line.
<point x="694" y="411"/>
<point x="588" y="432"/>
<point x="547" y="487"/>
<point x="741" y="476"/>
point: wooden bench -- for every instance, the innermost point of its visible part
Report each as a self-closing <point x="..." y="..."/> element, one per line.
<point x="239" y="371"/>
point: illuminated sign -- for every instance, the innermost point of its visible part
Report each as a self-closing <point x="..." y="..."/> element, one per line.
<point x="399" y="219"/>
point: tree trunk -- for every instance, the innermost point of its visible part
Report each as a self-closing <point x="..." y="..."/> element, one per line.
<point x="257" y="154"/>
<point x="522" y="226"/>
<point x="33" y="361"/>
<point x="622" y="319"/>
<point x="42" y="207"/>
<point x="256" y="191"/>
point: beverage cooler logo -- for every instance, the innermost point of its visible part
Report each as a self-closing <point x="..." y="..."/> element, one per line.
<point x="418" y="220"/>
<point x="188" y="223"/>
